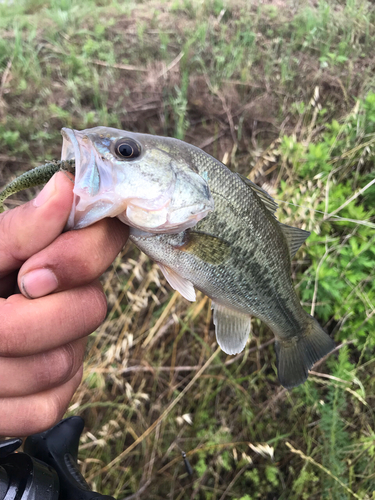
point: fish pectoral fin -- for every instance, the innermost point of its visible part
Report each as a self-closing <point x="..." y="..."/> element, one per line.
<point x="232" y="329"/>
<point x="294" y="236"/>
<point x="177" y="282"/>
<point x="206" y="247"/>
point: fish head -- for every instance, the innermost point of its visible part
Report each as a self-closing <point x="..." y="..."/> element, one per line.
<point x="143" y="180"/>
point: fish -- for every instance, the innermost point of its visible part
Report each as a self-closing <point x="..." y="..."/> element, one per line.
<point x="207" y="228"/>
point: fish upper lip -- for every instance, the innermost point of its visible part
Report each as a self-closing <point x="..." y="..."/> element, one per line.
<point x="69" y="135"/>
<point x="70" y="151"/>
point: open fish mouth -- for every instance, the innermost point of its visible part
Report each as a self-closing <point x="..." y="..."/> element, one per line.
<point x="155" y="193"/>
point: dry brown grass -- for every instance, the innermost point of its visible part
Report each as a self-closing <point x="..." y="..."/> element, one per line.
<point x="153" y="342"/>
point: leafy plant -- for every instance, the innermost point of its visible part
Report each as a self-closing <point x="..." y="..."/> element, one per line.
<point x="253" y="76"/>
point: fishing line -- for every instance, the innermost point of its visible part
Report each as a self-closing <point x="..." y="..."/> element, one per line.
<point x="333" y="214"/>
<point x="337" y="217"/>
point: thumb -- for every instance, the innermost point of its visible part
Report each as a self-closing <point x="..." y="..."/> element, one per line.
<point x="29" y="228"/>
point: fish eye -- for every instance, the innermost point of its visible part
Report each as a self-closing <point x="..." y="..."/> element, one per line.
<point x="127" y="149"/>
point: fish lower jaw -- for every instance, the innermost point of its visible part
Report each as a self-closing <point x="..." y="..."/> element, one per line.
<point x="161" y="221"/>
<point x="143" y="218"/>
<point x="189" y="215"/>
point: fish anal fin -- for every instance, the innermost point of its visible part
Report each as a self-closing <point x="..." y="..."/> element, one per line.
<point x="177" y="282"/>
<point x="294" y="236"/>
<point x="232" y="328"/>
<point x="296" y="356"/>
<point x="206" y="247"/>
<point x="266" y="198"/>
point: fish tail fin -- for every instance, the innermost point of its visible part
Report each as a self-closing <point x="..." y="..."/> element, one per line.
<point x="296" y="356"/>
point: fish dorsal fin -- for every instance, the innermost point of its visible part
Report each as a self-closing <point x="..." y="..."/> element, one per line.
<point x="295" y="237"/>
<point x="177" y="282"/>
<point x="204" y="246"/>
<point x="232" y="329"/>
<point x="266" y="198"/>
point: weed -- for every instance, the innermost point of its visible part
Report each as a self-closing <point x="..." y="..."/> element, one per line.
<point x="288" y="91"/>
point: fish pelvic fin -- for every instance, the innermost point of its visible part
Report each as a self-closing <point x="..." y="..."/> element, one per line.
<point x="296" y="356"/>
<point x="177" y="282"/>
<point x="232" y="329"/>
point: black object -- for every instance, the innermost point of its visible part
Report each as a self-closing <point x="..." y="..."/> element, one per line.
<point x="47" y="470"/>
<point x="188" y="467"/>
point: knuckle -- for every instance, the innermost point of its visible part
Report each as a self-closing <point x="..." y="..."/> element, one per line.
<point x="89" y="268"/>
<point x="93" y="308"/>
<point x="24" y="416"/>
<point x="5" y="227"/>
<point x="12" y="340"/>
<point x="50" y="410"/>
<point x="80" y="257"/>
<point x="57" y="367"/>
<point x="10" y="244"/>
<point x="118" y="234"/>
<point x="14" y="332"/>
<point x="8" y="347"/>
<point x="53" y="406"/>
<point x="100" y="305"/>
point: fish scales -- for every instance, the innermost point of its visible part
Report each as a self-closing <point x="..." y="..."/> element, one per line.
<point x="207" y="228"/>
<point x="255" y="279"/>
<point x="255" y="282"/>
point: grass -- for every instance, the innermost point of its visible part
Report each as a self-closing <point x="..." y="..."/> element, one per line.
<point x="279" y="91"/>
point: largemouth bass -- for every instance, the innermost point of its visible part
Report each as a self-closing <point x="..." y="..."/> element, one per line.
<point x="207" y="228"/>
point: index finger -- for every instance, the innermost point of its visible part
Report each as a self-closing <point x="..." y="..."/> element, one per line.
<point x="34" y="326"/>
<point x="29" y="228"/>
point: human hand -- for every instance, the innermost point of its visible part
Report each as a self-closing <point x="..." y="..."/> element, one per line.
<point x="43" y="329"/>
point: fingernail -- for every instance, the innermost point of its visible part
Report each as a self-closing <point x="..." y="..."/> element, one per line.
<point x="46" y="193"/>
<point x="38" y="283"/>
